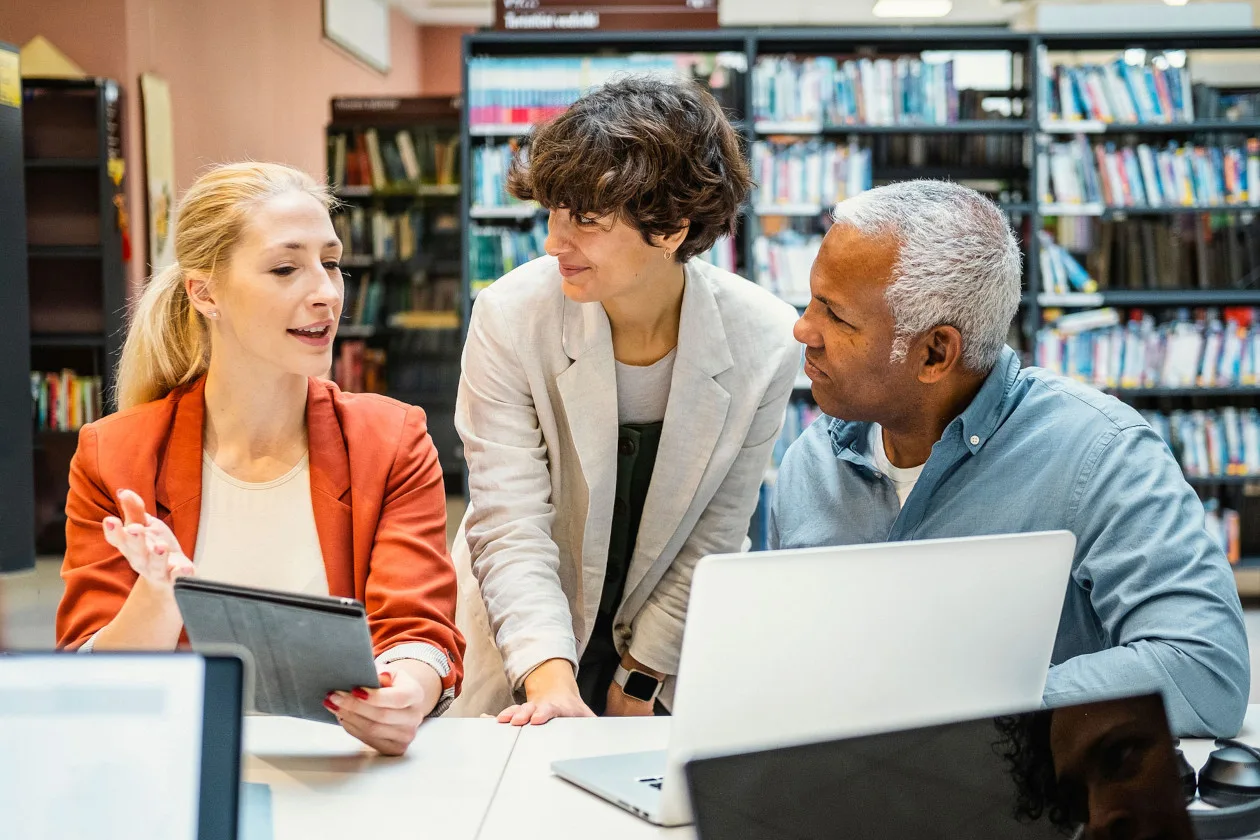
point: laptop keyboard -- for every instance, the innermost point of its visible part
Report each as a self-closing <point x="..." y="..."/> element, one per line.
<point x="652" y="781"/>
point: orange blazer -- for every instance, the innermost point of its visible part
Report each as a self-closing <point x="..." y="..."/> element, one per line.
<point x="376" y="488"/>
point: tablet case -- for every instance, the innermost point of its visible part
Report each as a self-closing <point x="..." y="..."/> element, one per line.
<point x="303" y="646"/>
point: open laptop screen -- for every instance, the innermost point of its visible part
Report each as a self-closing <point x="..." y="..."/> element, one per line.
<point x="119" y="746"/>
<point x="1069" y="772"/>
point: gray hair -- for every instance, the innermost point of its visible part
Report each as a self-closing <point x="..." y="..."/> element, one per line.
<point x="958" y="263"/>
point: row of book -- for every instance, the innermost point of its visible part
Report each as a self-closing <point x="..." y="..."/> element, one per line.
<point x="991" y="156"/>
<point x="1119" y="92"/>
<point x="830" y="92"/>
<point x="1224" y="526"/>
<point x="496" y="251"/>
<point x="522" y="92"/>
<point x="377" y="234"/>
<point x="64" y="401"/>
<point x="1209" y="251"/>
<point x="385" y="159"/>
<point x="782" y="263"/>
<point x="814" y="172"/>
<point x="1208" y="352"/>
<point x="360" y="369"/>
<point x="800" y="415"/>
<point x="399" y="301"/>
<point x="1060" y="272"/>
<point x="723" y="254"/>
<point x="1144" y="176"/>
<point x="1224" y="442"/>
<point x="490" y="168"/>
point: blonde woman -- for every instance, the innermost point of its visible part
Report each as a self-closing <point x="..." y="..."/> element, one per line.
<point x="231" y="459"/>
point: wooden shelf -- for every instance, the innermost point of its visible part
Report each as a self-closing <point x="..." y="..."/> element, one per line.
<point x="64" y="252"/>
<point x="1099" y="127"/>
<point x="89" y="164"/>
<point x="1153" y="298"/>
<point x="1111" y="212"/>
<point x="500" y="130"/>
<point x="1153" y="393"/>
<point x="418" y="191"/>
<point x="805" y="128"/>
<point x="67" y="340"/>
<point x="512" y="211"/>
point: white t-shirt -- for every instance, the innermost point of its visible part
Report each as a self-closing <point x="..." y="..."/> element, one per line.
<point x="643" y="391"/>
<point x="902" y="478"/>
<point x="260" y="533"/>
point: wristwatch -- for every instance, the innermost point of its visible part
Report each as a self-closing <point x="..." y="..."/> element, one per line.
<point x="637" y="684"/>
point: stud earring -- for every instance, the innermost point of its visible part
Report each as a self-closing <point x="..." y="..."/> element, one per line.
<point x="213" y="313"/>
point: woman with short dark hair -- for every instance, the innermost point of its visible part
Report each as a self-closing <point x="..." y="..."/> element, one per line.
<point x="618" y="405"/>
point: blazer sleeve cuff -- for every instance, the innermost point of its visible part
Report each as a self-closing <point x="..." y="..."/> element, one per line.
<point x="521" y="661"/>
<point x="654" y="642"/>
<point x="434" y="657"/>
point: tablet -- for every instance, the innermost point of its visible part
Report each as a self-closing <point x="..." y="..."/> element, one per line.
<point x="303" y="646"/>
<point x="116" y="746"/>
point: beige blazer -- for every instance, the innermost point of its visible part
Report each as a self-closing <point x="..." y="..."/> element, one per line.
<point x="537" y="411"/>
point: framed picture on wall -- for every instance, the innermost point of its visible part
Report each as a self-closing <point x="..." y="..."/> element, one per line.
<point x="361" y="28"/>
<point x="159" y="170"/>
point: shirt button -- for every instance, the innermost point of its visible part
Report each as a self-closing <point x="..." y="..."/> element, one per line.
<point x="975" y="440"/>
<point x="626" y="447"/>
<point x="878" y="474"/>
<point x="623" y="631"/>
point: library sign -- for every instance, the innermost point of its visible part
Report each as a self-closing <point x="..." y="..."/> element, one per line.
<point x="583" y="15"/>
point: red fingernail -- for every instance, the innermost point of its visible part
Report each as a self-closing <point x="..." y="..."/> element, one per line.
<point x="361" y="693"/>
<point x="330" y="705"/>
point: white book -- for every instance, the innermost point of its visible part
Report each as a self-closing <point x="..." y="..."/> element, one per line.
<point x="375" y="160"/>
<point x="407" y="151"/>
<point x="1146" y="161"/>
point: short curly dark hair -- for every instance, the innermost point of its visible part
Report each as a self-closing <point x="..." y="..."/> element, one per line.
<point x="656" y="153"/>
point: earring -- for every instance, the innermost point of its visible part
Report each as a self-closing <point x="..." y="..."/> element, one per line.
<point x="669" y="255"/>
<point x="213" y="313"/>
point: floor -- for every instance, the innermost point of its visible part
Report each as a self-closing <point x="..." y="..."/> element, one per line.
<point x="30" y="604"/>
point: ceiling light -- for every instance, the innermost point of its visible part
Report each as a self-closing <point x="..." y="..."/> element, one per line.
<point x="912" y="8"/>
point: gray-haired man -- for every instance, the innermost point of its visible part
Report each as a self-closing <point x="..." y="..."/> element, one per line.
<point x="945" y="436"/>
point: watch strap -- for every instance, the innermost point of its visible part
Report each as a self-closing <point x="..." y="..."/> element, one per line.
<point x="621" y="675"/>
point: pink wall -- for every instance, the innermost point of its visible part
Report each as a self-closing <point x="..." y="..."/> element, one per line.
<point x="440" y="57"/>
<point x="95" y="39"/>
<point x="248" y="78"/>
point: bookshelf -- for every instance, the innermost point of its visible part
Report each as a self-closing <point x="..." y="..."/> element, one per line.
<point x="17" y="468"/>
<point x="76" y="289"/>
<point x="1167" y="230"/>
<point x="996" y="140"/>
<point x="394" y="165"/>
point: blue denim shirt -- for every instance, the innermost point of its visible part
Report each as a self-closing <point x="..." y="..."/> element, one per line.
<point x="1151" y="603"/>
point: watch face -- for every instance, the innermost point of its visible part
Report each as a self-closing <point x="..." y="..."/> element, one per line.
<point x="640" y="686"/>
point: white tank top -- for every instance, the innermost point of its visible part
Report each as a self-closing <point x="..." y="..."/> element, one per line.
<point x="259" y="533"/>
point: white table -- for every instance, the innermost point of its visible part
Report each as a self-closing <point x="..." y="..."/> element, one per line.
<point x="324" y="783"/>
<point x="469" y="778"/>
<point x="532" y="803"/>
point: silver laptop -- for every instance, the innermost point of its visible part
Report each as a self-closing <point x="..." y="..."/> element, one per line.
<point x="789" y="647"/>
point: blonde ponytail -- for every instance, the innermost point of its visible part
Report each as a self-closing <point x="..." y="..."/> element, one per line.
<point x="168" y="343"/>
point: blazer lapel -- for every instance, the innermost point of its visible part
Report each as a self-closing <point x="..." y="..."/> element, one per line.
<point x="589" y="395"/>
<point x="694" y="418"/>
<point x="177" y="491"/>
<point x="330" y="490"/>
